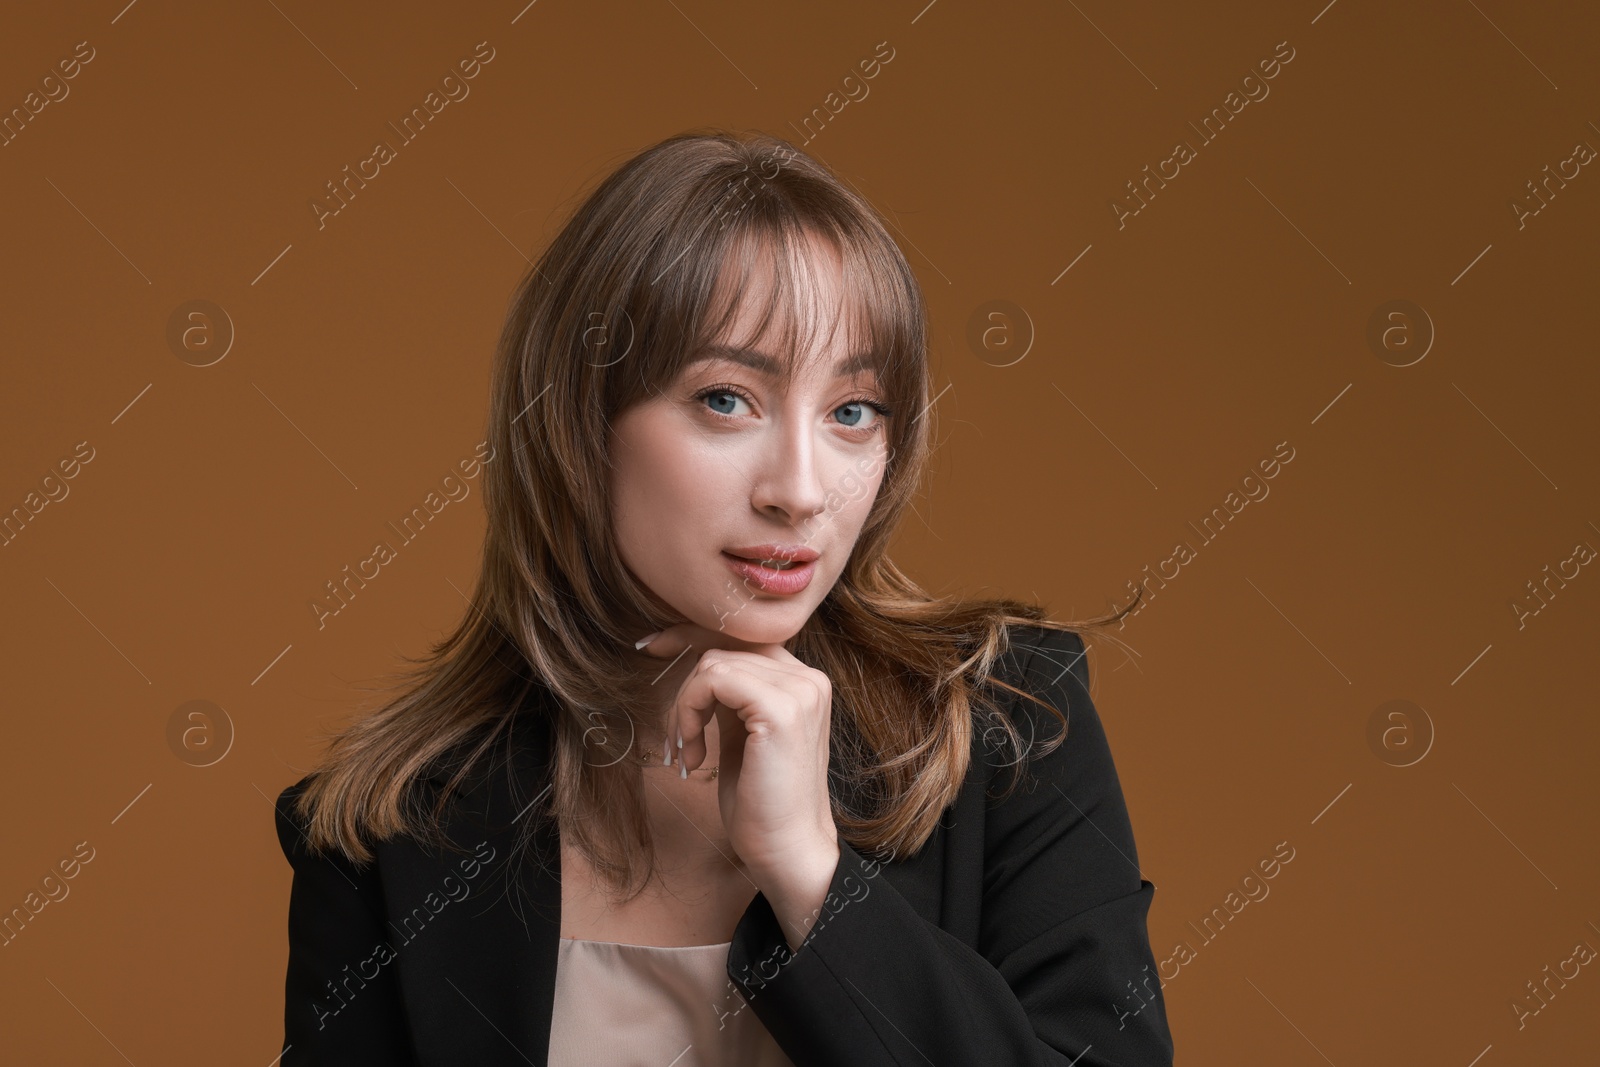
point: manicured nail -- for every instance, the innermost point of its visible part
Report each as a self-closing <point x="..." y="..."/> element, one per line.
<point x="666" y="756"/>
<point x="645" y="640"/>
<point x="683" y="772"/>
<point x="680" y="739"/>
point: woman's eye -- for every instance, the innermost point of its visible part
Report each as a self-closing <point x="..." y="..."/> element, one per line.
<point x="722" y="401"/>
<point x="859" y="414"/>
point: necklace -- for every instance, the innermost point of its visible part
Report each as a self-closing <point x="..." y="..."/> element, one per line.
<point x="650" y="757"/>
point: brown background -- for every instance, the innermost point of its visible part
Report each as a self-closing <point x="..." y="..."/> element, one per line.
<point x="1229" y="315"/>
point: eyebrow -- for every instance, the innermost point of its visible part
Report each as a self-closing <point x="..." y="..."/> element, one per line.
<point x="765" y="364"/>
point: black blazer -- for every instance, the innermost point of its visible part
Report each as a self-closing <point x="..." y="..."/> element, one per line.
<point x="1016" y="936"/>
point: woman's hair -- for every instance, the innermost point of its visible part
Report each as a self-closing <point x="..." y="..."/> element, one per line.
<point x="649" y="268"/>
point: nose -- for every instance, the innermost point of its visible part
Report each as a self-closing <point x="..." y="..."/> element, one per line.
<point x="787" y="480"/>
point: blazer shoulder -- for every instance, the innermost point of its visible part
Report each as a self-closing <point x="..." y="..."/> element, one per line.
<point x="1046" y="662"/>
<point x="1052" y="713"/>
<point x="291" y="826"/>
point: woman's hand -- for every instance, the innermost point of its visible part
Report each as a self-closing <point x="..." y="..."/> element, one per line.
<point x="773" y="714"/>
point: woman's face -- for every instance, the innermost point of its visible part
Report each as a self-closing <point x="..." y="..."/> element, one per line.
<point x="729" y="462"/>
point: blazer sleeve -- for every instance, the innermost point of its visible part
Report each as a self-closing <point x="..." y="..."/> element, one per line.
<point x="341" y="1003"/>
<point x="1063" y="973"/>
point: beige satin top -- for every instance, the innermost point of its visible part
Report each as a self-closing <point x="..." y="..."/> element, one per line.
<point x="648" y="1006"/>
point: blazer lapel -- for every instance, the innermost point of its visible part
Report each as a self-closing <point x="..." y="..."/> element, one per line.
<point x="476" y="933"/>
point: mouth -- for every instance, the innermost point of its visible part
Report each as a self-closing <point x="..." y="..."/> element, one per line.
<point x="773" y="568"/>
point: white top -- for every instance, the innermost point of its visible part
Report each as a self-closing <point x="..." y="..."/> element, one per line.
<point x="649" y="1006"/>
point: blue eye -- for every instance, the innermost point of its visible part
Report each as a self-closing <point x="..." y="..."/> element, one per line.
<point x="880" y="411"/>
<point x="860" y="408"/>
<point x="719" y="398"/>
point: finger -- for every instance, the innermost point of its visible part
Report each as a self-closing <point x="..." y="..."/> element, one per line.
<point x="730" y="737"/>
<point x="669" y="748"/>
<point x="716" y="683"/>
<point x="762" y="666"/>
<point x="809" y="687"/>
<point x="696" y="746"/>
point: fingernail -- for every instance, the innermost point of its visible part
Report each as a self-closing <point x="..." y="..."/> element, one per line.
<point x="683" y="772"/>
<point x="680" y="739"/>
<point x="645" y="640"/>
<point x="666" y="756"/>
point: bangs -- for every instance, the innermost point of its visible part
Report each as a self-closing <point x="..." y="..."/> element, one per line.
<point x="797" y="320"/>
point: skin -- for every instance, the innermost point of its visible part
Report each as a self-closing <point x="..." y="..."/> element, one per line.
<point x="692" y="476"/>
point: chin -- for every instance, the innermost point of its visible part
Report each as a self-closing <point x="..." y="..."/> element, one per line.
<point x="760" y="622"/>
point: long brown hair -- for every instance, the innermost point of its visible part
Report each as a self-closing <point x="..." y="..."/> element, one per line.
<point x="644" y="272"/>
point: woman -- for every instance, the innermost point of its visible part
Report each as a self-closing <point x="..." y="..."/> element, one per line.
<point x="814" y="815"/>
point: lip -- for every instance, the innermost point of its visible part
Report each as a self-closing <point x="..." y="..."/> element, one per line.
<point x="798" y="553"/>
<point x="765" y="579"/>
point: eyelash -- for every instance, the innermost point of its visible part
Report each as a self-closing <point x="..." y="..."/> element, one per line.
<point x="883" y="410"/>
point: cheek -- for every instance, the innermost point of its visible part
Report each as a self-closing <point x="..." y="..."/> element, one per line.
<point x="668" y="490"/>
<point x="641" y="469"/>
